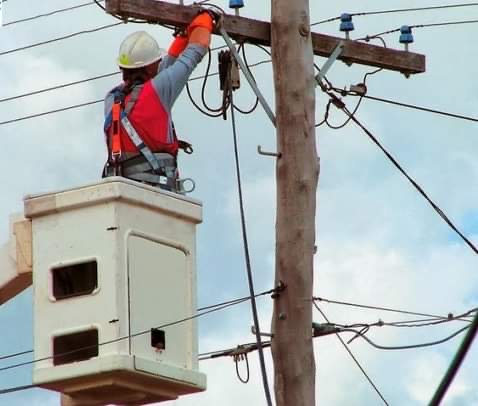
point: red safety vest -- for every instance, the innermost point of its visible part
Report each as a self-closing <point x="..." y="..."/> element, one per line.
<point x="151" y="122"/>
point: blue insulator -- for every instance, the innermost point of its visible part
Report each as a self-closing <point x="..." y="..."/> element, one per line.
<point x="346" y="24"/>
<point x="236" y="3"/>
<point x="406" y="36"/>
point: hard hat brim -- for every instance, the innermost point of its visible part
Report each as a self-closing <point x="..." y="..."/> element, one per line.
<point x="139" y="64"/>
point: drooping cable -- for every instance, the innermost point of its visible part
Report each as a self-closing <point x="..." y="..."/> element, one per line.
<point x="419" y="189"/>
<point x="381" y="308"/>
<point x="408" y="346"/>
<point x="354" y="358"/>
<point x="256" y="103"/>
<point x="455" y="364"/>
<point x="201" y="312"/>
<point x="247" y="255"/>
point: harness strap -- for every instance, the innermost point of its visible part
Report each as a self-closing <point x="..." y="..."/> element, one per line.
<point x="133" y="99"/>
<point x="138" y="142"/>
<point x="167" y="165"/>
<point x="162" y="181"/>
<point x="115" y="133"/>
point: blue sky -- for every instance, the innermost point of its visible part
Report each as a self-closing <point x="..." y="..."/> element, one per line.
<point x="378" y="241"/>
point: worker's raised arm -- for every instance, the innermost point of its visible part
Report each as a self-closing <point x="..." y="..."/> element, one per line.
<point x="184" y="55"/>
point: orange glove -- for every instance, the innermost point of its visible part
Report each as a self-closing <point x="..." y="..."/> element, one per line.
<point x="203" y="20"/>
<point x="178" y="45"/>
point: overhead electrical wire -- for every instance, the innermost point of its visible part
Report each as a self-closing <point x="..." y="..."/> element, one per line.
<point x="250" y="279"/>
<point x="356" y="361"/>
<point x="401" y="10"/>
<point x="50" y="13"/>
<point x="419" y="189"/>
<point x="431" y="25"/>
<point x="50" y="41"/>
<point x="77" y="82"/>
<point x="421" y="108"/>
<point x="404" y="347"/>
<point x="17" y="389"/>
<point x="455" y="364"/>
<point x="365" y="327"/>
<point x="385" y="309"/>
<point x="341" y="106"/>
<point x="202" y="311"/>
<point x="76" y="106"/>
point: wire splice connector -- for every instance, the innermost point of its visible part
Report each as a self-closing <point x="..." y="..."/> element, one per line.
<point x="346" y="24"/>
<point x="323" y="329"/>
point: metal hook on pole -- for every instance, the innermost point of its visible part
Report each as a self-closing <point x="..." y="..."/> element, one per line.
<point x="265" y="153"/>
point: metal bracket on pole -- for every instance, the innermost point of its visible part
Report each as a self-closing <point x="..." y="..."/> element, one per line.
<point x="265" y="153"/>
<point x="247" y="74"/>
<point x="328" y="64"/>
<point x="253" y="331"/>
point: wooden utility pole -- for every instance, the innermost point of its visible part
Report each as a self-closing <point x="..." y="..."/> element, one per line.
<point x="297" y="173"/>
<point x="293" y="47"/>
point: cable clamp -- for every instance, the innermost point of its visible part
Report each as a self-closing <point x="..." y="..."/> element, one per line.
<point x="336" y="101"/>
<point x="360" y="89"/>
<point x="241" y="351"/>
<point x="323" y="329"/>
<point x="281" y="286"/>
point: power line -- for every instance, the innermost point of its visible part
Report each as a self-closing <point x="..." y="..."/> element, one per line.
<point x="404" y="347"/>
<point x="16" y="389"/>
<point x="402" y="10"/>
<point x="385" y="309"/>
<point x="48" y="89"/>
<point x="75" y="34"/>
<point x="455" y="364"/>
<point x="420" y="108"/>
<point x="50" y="13"/>
<point x="202" y="311"/>
<point x="354" y="358"/>
<point x="14" y="355"/>
<point x="250" y="279"/>
<point x="75" y="106"/>
<point x="341" y="105"/>
<point x="98" y="77"/>
<point x="441" y="24"/>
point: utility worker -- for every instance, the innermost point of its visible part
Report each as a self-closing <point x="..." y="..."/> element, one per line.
<point x="140" y="135"/>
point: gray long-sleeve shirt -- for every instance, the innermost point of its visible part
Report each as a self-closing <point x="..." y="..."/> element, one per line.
<point x="172" y="76"/>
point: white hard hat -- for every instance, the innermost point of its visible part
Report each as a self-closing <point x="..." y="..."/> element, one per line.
<point x="139" y="49"/>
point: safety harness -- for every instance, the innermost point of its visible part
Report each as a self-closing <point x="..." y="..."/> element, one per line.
<point x="157" y="169"/>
